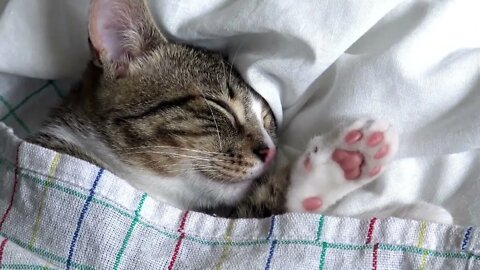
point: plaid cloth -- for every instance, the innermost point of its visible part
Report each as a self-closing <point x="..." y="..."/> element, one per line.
<point x="60" y="212"/>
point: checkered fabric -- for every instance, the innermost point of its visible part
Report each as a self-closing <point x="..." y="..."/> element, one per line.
<point x="60" y="212"/>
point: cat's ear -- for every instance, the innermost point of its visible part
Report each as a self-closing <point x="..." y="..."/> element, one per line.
<point x="120" y="31"/>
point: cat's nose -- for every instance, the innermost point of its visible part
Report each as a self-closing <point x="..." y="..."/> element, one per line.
<point x="265" y="153"/>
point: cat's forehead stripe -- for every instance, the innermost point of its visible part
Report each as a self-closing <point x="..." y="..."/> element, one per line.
<point x="239" y="109"/>
<point x="257" y="108"/>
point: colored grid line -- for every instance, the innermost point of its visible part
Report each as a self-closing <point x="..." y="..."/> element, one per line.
<point x="323" y="255"/>
<point x="51" y="173"/>
<point x="397" y="248"/>
<point x="172" y="235"/>
<point x="27" y="98"/>
<point x="118" y="258"/>
<point x="12" y="113"/>
<point x="2" y="248"/>
<point x="466" y="237"/>
<point x="44" y="253"/>
<point x="57" y="90"/>
<point x="22" y="267"/>
<point x="421" y="234"/>
<point x="272" y="227"/>
<point x="375" y="256"/>
<point x="321" y="221"/>
<point x="270" y="254"/>
<point x="272" y="244"/>
<point x="176" y="250"/>
<point x="226" y="248"/>
<point x="15" y="184"/>
<point x="371" y="228"/>
<point x="81" y="218"/>
<point x="424" y="260"/>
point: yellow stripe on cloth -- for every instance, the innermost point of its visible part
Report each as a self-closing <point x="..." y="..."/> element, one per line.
<point x="421" y="238"/>
<point x="226" y="249"/>
<point x="51" y="173"/>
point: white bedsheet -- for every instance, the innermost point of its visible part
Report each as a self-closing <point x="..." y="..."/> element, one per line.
<point x="415" y="63"/>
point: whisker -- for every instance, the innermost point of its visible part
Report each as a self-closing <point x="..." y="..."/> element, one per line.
<point x="233" y="60"/>
<point x="214" y="119"/>
<point x="185" y="171"/>
<point x="177" y="155"/>
<point x="172" y="147"/>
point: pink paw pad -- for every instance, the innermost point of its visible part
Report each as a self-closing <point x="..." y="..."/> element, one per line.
<point x="353" y="136"/>
<point x="350" y="162"/>
<point x="312" y="203"/>
<point x="375" y="139"/>
<point x="382" y="152"/>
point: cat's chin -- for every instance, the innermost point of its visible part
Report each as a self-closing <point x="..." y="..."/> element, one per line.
<point x="254" y="173"/>
<point x="194" y="191"/>
<point x="191" y="191"/>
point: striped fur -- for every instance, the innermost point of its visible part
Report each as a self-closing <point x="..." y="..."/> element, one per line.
<point x="175" y="121"/>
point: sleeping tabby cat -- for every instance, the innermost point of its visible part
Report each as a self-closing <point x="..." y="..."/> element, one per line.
<point x="179" y="123"/>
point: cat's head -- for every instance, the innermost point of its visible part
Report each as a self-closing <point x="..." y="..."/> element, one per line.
<point x="170" y="108"/>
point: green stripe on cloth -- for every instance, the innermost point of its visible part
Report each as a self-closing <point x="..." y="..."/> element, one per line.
<point x="320" y="228"/>
<point x="11" y="112"/>
<point x="22" y="267"/>
<point x="27" y="98"/>
<point x="51" y="173"/>
<point x="57" y="90"/>
<point x="323" y="255"/>
<point x="45" y="254"/>
<point x="118" y="258"/>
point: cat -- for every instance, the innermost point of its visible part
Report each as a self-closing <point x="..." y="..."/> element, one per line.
<point x="181" y="124"/>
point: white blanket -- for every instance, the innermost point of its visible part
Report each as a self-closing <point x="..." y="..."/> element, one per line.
<point x="415" y="63"/>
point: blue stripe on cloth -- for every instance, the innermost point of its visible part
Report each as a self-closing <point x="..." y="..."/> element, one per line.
<point x="272" y="226"/>
<point x="81" y="218"/>
<point x="272" y="245"/>
<point x="466" y="237"/>
<point x="270" y="254"/>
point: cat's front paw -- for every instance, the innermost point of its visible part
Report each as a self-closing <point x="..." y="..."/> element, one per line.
<point x="364" y="148"/>
<point x="340" y="162"/>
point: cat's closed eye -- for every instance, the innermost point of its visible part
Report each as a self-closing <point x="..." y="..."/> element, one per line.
<point x="162" y="110"/>
<point x="225" y="109"/>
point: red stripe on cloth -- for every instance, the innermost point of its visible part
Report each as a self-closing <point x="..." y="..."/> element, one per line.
<point x="375" y="257"/>
<point x="15" y="184"/>
<point x="371" y="228"/>
<point x="176" y="250"/>
<point x="2" y="247"/>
